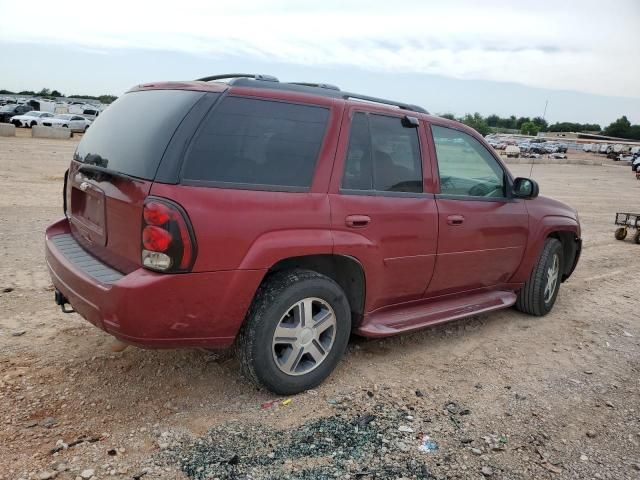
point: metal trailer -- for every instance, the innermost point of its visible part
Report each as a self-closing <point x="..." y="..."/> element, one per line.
<point x="626" y="221"/>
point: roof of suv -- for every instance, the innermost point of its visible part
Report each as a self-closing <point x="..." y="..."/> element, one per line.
<point x="215" y="84"/>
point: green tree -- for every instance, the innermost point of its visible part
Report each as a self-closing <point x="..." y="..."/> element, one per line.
<point x="521" y="121"/>
<point x="477" y="122"/>
<point x="492" y="120"/>
<point x="45" y="92"/>
<point x="541" y="123"/>
<point x="529" y="128"/>
<point x="620" y="128"/>
<point x="449" y="116"/>
<point x="56" y="93"/>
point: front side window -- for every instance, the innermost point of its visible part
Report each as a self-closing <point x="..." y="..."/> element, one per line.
<point x="466" y="167"/>
<point x="383" y="156"/>
<point x="247" y="141"/>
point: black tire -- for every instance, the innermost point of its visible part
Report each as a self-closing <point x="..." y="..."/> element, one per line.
<point x="531" y="298"/>
<point x="621" y="233"/>
<point x="32" y="124"/>
<point x="636" y="237"/>
<point x="277" y="294"/>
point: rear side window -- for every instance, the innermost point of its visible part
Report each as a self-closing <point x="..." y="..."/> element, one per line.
<point x="250" y="142"/>
<point x="133" y="132"/>
<point x="383" y="156"/>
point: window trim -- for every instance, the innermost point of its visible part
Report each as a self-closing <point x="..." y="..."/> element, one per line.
<point x="251" y="186"/>
<point x="381" y="193"/>
<point x="506" y="175"/>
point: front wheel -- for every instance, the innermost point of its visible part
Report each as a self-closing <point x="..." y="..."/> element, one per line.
<point x="539" y="293"/>
<point x="296" y="331"/>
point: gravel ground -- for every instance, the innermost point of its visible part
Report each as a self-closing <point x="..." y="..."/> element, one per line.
<point x="500" y="396"/>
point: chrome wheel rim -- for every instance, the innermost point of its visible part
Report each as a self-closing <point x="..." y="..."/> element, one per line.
<point x="552" y="279"/>
<point x="304" y="336"/>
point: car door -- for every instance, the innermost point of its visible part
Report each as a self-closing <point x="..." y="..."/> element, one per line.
<point x="482" y="228"/>
<point x="381" y="213"/>
<point x="76" y="123"/>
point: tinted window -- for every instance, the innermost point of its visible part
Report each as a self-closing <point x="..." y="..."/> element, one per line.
<point x="466" y="167"/>
<point x="383" y="155"/>
<point x="257" y="142"/>
<point x="133" y="133"/>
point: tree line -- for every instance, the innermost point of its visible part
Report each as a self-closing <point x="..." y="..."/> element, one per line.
<point x="53" y="94"/>
<point x="531" y="126"/>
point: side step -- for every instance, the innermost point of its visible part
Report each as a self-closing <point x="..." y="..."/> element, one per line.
<point x="417" y="315"/>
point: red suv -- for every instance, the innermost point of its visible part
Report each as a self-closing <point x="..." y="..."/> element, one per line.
<point x="282" y="217"/>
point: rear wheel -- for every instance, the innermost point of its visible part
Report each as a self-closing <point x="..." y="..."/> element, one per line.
<point x="621" y="233"/>
<point x="33" y="124"/>
<point x="295" y="333"/>
<point x="636" y="237"/>
<point x="539" y="293"/>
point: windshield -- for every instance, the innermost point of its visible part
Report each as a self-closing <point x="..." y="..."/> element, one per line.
<point x="143" y="123"/>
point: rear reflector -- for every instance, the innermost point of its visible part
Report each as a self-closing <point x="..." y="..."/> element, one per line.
<point x="168" y="243"/>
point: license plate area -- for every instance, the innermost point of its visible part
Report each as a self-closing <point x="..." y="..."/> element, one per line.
<point x="88" y="212"/>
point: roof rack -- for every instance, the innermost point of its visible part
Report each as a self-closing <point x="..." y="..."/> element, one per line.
<point x="318" y="85"/>
<point x="323" y="89"/>
<point x="255" y="76"/>
<point x="366" y="98"/>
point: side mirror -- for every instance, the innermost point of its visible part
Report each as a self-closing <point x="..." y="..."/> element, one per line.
<point x="525" y="188"/>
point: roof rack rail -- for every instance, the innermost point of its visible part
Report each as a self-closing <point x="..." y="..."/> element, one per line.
<point x="366" y="98"/>
<point x="328" y="86"/>
<point x="256" y="76"/>
<point x="324" y="89"/>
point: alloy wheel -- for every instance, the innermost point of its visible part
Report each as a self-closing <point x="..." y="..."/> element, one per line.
<point x="552" y="279"/>
<point x="304" y="336"/>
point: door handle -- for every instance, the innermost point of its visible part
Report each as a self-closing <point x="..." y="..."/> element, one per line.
<point x="455" y="220"/>
<point x="357" y="221"/>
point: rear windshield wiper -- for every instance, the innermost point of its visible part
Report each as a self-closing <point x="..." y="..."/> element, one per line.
<point x="94" y="169"/>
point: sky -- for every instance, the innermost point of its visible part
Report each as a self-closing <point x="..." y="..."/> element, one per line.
<point x="504" y="57"/>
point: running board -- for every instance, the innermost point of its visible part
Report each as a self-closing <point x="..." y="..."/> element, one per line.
<point x="406" y="318"/>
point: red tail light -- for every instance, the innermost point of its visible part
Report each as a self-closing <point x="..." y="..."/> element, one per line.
<point x="168" y="243"/>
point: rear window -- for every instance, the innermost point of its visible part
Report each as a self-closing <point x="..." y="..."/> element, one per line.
<point x="131" y="135"/>
<point x="250" y="142"/>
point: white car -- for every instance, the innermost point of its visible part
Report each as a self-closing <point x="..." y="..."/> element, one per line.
<point x="67" y="120"/>
<point x="30" y="119"/>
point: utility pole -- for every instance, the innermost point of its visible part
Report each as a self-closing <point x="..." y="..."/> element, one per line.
<point x="544" y="114"/>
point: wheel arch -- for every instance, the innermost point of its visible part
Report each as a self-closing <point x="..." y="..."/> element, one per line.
<point x="571" y="247"/>
<point x="345" y="270"/>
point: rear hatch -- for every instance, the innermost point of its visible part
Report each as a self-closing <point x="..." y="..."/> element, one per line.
<point x="113" y="169"/>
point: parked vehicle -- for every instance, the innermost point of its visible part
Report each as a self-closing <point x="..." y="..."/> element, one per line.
<point x="512" y="151"/>
<point x="11" y="110"/>
<point x="66" y="120"/>
<point x="30" y="119"/>
<point x="282" y="217"/>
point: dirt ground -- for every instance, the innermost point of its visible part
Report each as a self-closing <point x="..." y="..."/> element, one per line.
<point x="502" y="395"/>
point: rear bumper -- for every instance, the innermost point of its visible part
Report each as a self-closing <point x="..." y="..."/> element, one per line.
<point x="151" y="309"/>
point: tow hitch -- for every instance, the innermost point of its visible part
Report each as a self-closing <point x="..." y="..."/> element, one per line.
<point x="61" y="300"/>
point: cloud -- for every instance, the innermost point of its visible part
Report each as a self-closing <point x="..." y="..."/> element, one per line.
<point x="581" y="47"/>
